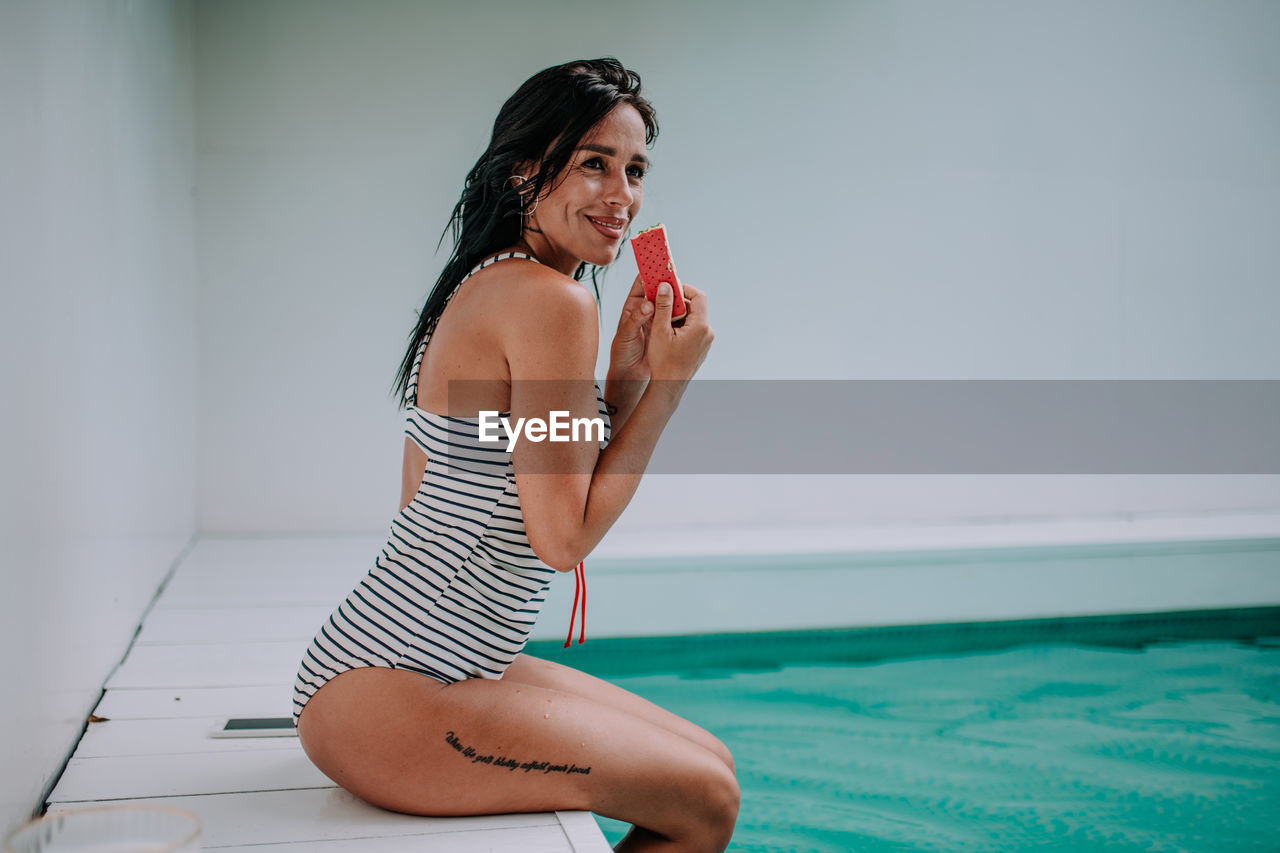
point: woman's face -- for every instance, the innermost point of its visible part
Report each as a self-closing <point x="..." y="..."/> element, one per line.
<point x="587" y="214"/>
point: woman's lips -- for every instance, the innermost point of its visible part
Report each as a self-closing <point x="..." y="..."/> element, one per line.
<point x="608" y="226"/>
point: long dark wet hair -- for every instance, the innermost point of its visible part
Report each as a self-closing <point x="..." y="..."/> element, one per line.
<point x="542" y="123"/>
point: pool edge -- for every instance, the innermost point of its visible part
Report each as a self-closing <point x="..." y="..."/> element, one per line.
<point x="770" y="649"/>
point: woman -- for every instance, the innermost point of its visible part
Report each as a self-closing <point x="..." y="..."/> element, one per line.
<point x="415" y="695"/>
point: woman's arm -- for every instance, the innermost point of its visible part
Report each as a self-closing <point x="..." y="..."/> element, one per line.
<point x="628" y="364"/>
<point x="571" y="493"/>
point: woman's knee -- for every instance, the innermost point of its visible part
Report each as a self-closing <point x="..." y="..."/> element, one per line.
<point x="710" y="802"/>
<point x="722" y="799"/>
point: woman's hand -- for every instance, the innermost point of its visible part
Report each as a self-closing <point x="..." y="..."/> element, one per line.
<point x="675" y="353"/>
<point x="628" y="353"/>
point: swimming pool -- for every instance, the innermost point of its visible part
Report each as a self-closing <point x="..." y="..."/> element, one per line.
<point x="1141" y="733"/>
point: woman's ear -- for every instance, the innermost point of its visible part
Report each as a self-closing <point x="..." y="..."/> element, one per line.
<point x="522" y="174"/>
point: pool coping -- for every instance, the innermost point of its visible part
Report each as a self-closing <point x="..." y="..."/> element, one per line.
<point x="737" y="651"/>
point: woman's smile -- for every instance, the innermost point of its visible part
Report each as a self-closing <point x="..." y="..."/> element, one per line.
<point x="610" y="226"/>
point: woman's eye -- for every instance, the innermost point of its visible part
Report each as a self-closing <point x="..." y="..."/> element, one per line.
<point x="634" y="171"/>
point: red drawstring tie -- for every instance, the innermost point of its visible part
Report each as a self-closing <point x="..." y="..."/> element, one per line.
<point x="579" y="591"/>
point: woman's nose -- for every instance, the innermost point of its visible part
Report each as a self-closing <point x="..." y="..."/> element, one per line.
<point x="618" y="190"/>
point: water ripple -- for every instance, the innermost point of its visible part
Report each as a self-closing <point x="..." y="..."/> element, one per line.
<point x="1172" y="747"/>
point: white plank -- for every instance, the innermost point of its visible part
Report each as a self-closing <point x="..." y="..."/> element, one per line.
<point x="171" y="703"/>
<point x="193" y="625"/>
<point x="525" y="839"/>
<point x="325" y="814"/>
<point x="224" y="665"/>
<point x="169" y="737"/>
<point x="270" y="572"/>
<point x="301" y="558"/>
<point x="582" y="832"/>
<point x="268" y="590"/>
<point x="130" y="777"/>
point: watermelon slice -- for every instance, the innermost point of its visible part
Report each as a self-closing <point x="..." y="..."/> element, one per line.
<point x="653" y="258"/>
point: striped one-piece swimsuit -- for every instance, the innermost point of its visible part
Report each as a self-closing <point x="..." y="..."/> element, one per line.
<point x="456" y="589"/>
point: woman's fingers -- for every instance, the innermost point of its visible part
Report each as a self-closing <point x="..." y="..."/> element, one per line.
<point x="630" y="343"/>
<point x="636" y="309"/>
<point x="695" y="303"/>
<point x="676" y="353"/>
<point x="637" y="288"/>
<point x="662" y="304"/>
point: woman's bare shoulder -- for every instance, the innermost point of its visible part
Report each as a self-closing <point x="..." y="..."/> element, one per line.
<point x="535" y="295"/>
<point x="547" y="322"/>
<point x="520" y="274"/>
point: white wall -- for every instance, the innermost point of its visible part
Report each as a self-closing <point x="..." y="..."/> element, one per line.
<point x="996" y="190"/>
<point x="97" y="353"/>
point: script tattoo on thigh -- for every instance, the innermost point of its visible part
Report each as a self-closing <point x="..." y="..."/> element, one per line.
<point x="509" y="762"/>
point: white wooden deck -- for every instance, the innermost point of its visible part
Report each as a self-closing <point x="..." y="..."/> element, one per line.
<point x="224" y="640"/>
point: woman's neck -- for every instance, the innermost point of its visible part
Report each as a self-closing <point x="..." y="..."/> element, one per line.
<point x="542" y="249"/>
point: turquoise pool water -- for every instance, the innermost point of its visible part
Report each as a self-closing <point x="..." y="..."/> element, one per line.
<point x="1167" y="745"/>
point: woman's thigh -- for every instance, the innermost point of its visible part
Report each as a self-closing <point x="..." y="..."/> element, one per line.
<point x="538" y="672"/>
<point x="409" y="743"/>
